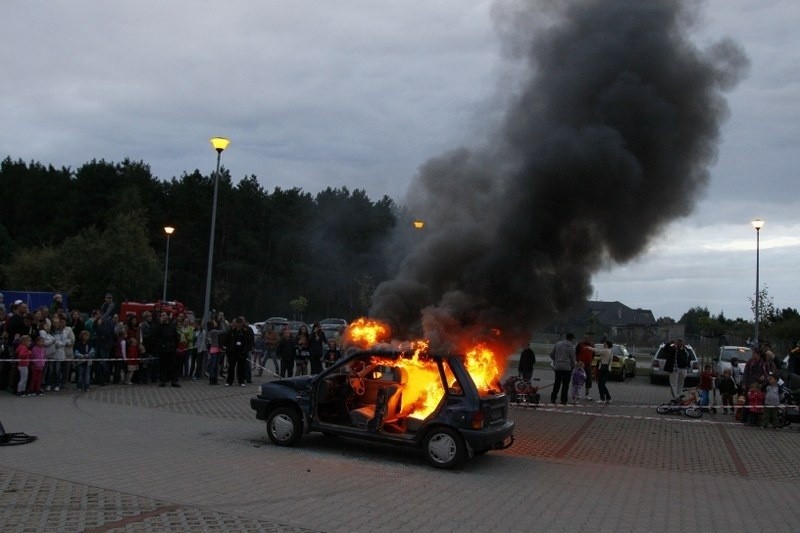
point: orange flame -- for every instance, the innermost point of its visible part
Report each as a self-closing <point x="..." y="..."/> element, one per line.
<point x="364" y="332"/>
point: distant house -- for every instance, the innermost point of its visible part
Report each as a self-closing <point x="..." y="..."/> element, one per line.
<point x="614" y="320"/>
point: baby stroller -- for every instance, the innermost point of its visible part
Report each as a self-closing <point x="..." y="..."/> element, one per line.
<point x="686" y="403"/>
<point x="521" y="391"/>
<point x="789" y="412"/>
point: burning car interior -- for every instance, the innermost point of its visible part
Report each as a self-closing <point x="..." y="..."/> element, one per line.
<point x="380" y="393"/>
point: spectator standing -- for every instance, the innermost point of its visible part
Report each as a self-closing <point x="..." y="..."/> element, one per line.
<point x="237" y="347"/>
<point x="332" y="354"/>
<point x="214" y="350"/>
<point x="248" y="357"/>
<point x="149" y="364"/>
<point x="584" y="352"/>
<point x="84" y="353"/>
<point x="737" y="375"/>
<point x="131" y="359"/>
<point x="604" y="369"/>
<point x="271" y="339"/>
<point x="23" y="355"/>
<point x="706" y="385"/>
<point x="200" y="353"/>
<point x="57" y="305"/>
<point x="754" y="374"/>
<point x="578" y="382"/>
<point x="166" y="334"/>
<point x="772" y="401"/>
<point x="286" y="351"/>
<point x="755" y="400"/>
<point x="563" y="358"/>
<point x="53" y="367"/>
<point x="303" y="355"/>
<point x="727" y="389"/>
<point x="36" y="368"/>
<point x="104" y="349"/>
<point x="185" y="344"/>
<point x="316" y="346"/>
<point x="527" y="360"/>
<point x="677" y="364"/>
<point x="108" y="308"/>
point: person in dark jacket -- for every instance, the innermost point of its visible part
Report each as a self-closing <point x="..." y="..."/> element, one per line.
<point x="677" y="364"/>
<point x="316" y="347"/>
<point x="286" y="351"/>
<point x="526" y="361"/>
<point x="165" y="335"/>
<point x="238" y="343"/>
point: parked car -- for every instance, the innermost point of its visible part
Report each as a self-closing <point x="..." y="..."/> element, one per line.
<point x="726" y="353"/>
<point x="657" y="372"/>
<point x="430" y="402"/>
<point x="623" y="364"/>
<point x="278" y="321"/>
<point x="333" y="326"/>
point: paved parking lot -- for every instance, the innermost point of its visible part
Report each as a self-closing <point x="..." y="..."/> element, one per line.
<point x="141" y="458"/>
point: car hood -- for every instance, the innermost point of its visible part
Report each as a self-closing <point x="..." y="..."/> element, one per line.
<point x="298" y="384"/>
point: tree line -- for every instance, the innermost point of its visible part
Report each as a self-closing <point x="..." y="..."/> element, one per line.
<point x="100" y="228"/>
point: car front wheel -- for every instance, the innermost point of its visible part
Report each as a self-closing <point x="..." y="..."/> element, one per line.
<point x="285" y="426"/>
<point x="444" y="448"/>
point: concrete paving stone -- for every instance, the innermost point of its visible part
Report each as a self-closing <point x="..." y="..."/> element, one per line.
<point x="197" y="454"/>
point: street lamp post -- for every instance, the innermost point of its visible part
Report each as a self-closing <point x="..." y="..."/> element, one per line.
<point x="758" y="224"/>
<point x="219" y="144"/>
<point x="168" y="230"/>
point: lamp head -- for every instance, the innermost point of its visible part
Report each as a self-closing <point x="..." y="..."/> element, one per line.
<point x="757" y="223"/>
<point x="219" y="143"/>
<point x="169" y="230"/>
<point x="419" y="224"/>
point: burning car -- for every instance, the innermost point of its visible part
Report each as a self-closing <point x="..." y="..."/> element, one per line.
<point x="452" y="407"/>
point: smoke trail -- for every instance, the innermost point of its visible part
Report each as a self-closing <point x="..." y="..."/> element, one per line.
<point x="609" y="138"/>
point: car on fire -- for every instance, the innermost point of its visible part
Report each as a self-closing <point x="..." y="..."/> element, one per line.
<point x="421" y="400"/>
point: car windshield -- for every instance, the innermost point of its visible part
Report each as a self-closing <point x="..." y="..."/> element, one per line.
<point x="741" y="353"/>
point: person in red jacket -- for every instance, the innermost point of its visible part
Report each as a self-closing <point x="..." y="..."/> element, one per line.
<point x="23" y="353"/>
<point x="131" y="359"/>
<point x="584" y="352"/>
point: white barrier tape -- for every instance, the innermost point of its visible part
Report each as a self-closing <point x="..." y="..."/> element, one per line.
<point x="91" y="360"/>
<point x="603" y="405"/>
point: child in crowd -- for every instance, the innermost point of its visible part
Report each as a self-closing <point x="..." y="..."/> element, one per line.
<point x="727" y="388"/>
<point x="332" y="354"/>
<point x="706" y="384"/>
<point x="83" y="352"/>
<point x="37" y="367"/>
<point x="755" y="403"/>
<point x="736" y="374"/>
<point x="141" y="374"/>
<point x="131" y="360"/>
<point x="23" y="353"/>
<point x="578" y="382"/>
<point x="772" y="400"/>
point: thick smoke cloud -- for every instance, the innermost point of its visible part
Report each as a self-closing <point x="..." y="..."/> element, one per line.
<point x="607" y="139"/>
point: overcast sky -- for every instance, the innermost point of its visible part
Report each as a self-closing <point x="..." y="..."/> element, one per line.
<point x="360" y="93"/>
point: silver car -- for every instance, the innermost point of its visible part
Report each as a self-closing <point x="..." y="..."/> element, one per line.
<point x="726" y="353"/>
<point x="657" y="372"/>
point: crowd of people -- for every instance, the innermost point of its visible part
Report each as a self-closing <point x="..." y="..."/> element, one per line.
<point x="49" y="349"/>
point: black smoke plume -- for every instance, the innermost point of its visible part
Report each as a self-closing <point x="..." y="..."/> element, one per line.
<point x="607" y="139"/>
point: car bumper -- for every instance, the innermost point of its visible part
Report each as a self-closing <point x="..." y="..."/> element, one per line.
<point x="260" y="406"/>
<point x="496" y="437"/>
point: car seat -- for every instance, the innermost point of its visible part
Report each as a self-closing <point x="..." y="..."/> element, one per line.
<point x="387" y="408"/>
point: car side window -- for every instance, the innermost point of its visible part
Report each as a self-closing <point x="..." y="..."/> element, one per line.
<point x="453" y="385"/>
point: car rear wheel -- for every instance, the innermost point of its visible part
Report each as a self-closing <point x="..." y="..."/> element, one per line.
<point x="444" y="448"/>
<point x="285" y="426"/>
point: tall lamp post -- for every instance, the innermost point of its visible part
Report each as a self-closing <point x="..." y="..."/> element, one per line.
<point x="168" y="230"/>
<point x="219" y="144"/>
<point x="758" y="224"/>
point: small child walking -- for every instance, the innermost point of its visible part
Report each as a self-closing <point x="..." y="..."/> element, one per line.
<point x="727" y="388"/>
<point x="772" y="400"/>
<point x="578" y="382"/>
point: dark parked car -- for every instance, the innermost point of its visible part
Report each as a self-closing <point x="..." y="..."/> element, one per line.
<point x="429" y="402"/>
